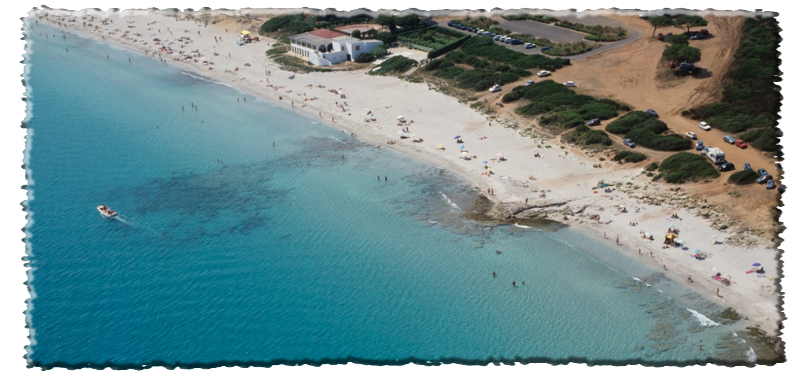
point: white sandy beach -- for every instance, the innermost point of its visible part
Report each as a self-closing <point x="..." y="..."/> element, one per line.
<point x="561" y="174"/>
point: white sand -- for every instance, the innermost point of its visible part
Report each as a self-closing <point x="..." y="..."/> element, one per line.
<point x="563" y="175"/>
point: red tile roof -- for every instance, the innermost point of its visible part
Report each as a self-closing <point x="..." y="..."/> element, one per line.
<point x="329" y="34"/>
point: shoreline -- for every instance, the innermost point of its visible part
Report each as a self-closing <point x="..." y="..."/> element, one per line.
<point x="573" y="198"/>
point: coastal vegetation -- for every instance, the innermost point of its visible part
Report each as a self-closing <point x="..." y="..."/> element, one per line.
<point x="629" y="156"/>
<point x="394" y="65"/>
<point x="645" y="130"/>
<point x="743" y="177"/>
<point x="750" y="96"/>
<point x="479" y="75"/>
<point x="560" y="106"/>
<point x="435" y="40"/>
<point x="289" y="24"/>
<point x="583" y="135"/>
<point x="486" y="48"/>
<point x="684" y="167"/>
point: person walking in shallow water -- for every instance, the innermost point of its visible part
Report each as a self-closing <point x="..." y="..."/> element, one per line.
<point x="493" y="274"/>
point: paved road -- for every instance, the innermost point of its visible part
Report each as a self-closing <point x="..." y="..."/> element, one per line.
<point x="539" y="29"/>
<point x="634" y="35"/>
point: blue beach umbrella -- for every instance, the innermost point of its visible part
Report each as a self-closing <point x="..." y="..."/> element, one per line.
<point x="457" y="137"/>
<point x="484" y="162"/>
<point x="696" y="251"/>
<point x="461" y="146"/>
<point x="756" y="264"/>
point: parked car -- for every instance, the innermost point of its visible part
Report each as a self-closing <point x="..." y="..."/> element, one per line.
<point x="786" y="166"/>
<point x="725" y="167"/>
<point x="691" y="135"/>
<point x="495" y="88"/>
<point x="461" y="27"/>
<point x="644" y="15"/>
<point x="705" y="150"/>
<point x="545" y="48"/>
<point x="516" y="42"/>
<point x="747" y="167"/>
<point x="697" y="36"/>
<point x="450" y="23"/>
<point x="594" y="122"/>
<point x="770" y="184"/>
<point x="699" y="146"/>
<point x="489" y="34"/>
<point x="729" y="139"/>
<point x="763" y="179"/>
<point x="705" y="126"/>
<point x="782" y="189"/>
<point x="528" y="83"/>
<point x="473" y="29"/>
<point x="543" y="73"/>
<point x="763" y="172"/>
<point x="497" y="38"/>
<point x="570" y="84"/>
<point x="652" y="113"/>
<point x="629" y="143"/>
<point x="740" y="143"/>
<point x="508" y="40"/>
<point x="530" y="46"/>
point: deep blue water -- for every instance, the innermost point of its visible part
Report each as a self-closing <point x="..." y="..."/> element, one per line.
<point x="229" y="249"/>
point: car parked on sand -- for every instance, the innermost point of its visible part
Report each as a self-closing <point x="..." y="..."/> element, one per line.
<point x="495" y="88"/>
<point x="763" y="172"/>
<point x="770" y="184"/>
<point x="747" y="167"/>
<point x="528" y="83"/>
<point x="729" y="139"/>
<point x="691" y="135"/>
<point x="725" y="167"/>
<point x="705" y="150"/>
<point x="530" y="45"/>
<point x="705" y="126"/>
<point x="740" y="143"/>
<point x="652" y="113"/>
<point x="782" y="189"/>
<point x="700" y="146"/>
<point x="629" y="143"/>
<point x="763" y="179"/>
<point x="786" y="166"/>
<point x="594" y="122"/>
<point x="570" y="84"/>
<point x="543" y="73"/>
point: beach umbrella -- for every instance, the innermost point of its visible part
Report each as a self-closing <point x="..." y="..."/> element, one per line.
<point x="696" y="251"/>
<point x="400" y="117"/>
<point x="756" y="264"/>
<point x="246" y="32"/>
<point x="484" y="162"/>
<point x="461" y="146"/>
<point x="671" y="236"/>
<point x="500" y="154"/>
<point x="457" y="137"/>
<point x="464" y="152"/>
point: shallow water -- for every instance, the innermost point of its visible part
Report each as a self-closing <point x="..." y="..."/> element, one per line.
<point x="228" y="249"/>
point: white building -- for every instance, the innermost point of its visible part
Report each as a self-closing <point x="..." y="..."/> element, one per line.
<point x="324" y="47"/>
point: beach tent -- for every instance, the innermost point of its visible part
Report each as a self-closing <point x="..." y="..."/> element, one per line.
<point x="670" y="238"/>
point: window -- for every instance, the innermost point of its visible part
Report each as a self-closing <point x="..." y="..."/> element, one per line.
<point x="357" y="48"/>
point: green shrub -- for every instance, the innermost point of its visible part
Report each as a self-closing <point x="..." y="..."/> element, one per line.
<point x="446" y="48"/>
<point x="743" y="177"/>
<point x="394" y="65"/>
<point x="288" y="24"/>
<point x="629" y="156"/>
<point x="648" y="139"/>
<point x="677" y="39"/>
<point x="585" y="136"/>
<point x="511" y="96"/>
<point x="652" y="167"/>
<point x="764" y="139"/>
<point x="630" y="121"/>
<point x="685" y="166"/>
<point x="365" y="58"/>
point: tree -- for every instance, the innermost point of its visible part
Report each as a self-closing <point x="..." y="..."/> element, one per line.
<point x="658" y="21"/>
<point x="409" y="21"/>
<point x="677" y="39"/>
<point x="372" y="33"/>
<point x="386" y="37"/>
<point x="356" y="33"/>
<point x="387" y="21"/>
<point x="689" y="20"/>
<point x="681" y="53"/>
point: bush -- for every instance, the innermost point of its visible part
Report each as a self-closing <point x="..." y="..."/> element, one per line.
<point x="682" y="53"/>
<point x="511" y="96"/>
<point x="743" y="177"/>
<point x="677" y="39"/>
<point x="652" y="167"/>
<point x="764" y="139"/>
<point x="685" y="166"/>
<point x="446" y="48"/>
<point x="636" y="119"/>
<point x="648" y="139"/>
<point x="365" y="58"/>
<point x="394" y="65"/>
<point x="629" y="156"/>
<point x="287" y="24"/>
<point x="485" y="47"/>
<point x="585" y="136"/>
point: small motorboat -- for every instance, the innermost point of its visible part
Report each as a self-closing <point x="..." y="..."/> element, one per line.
<point x="107" y="212"/>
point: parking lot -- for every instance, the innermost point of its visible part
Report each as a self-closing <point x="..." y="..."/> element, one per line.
<point x="541" y="30"/>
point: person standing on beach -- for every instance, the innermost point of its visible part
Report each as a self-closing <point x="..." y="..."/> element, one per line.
<point x="717" y="292"/>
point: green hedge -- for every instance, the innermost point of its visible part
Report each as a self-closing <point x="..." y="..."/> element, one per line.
<point x="764" y="139"/>
<point x="585" y="136"/>
<point x="685" y="166"/>
<point x="648" y="139"/>
<point x="449" y="47"/>
<point x="486" y="48"/>
<point x="636" y="120"/>
<point x="629" y="156"/>
<point x="743" y="177"/>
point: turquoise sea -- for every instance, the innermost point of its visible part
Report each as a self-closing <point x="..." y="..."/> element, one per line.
<point x="231" y="251"/>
